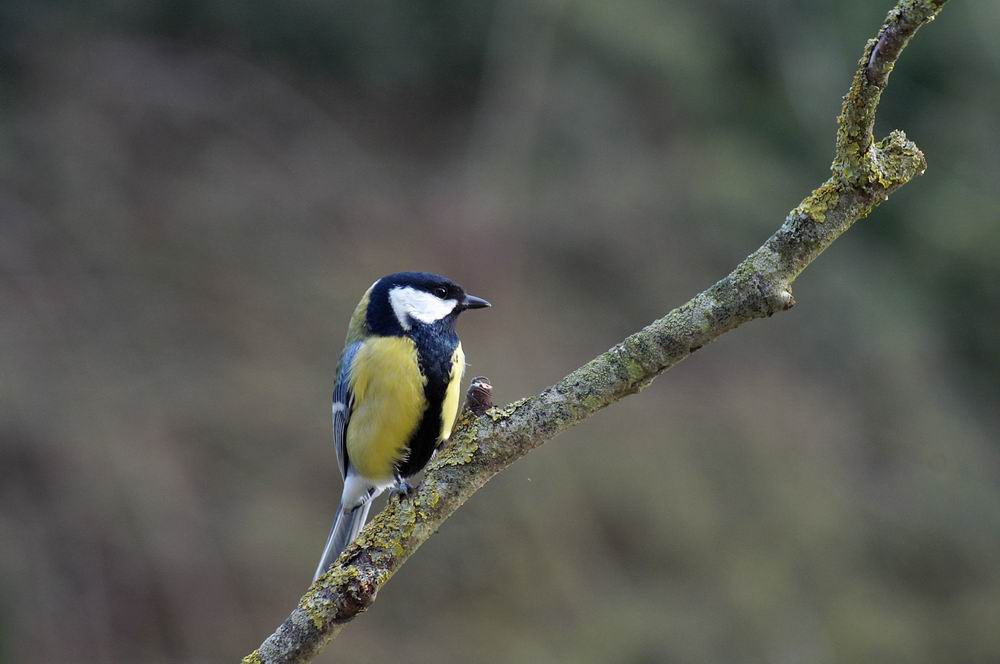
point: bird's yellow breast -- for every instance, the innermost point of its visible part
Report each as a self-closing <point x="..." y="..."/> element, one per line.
<point x="389" y="401"/>
<point x="449" y="407"/>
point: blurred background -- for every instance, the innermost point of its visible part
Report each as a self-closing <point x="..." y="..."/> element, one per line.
<point x="194" y="195"/>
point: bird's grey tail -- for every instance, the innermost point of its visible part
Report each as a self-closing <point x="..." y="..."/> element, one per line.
<point x="345" y="528"/>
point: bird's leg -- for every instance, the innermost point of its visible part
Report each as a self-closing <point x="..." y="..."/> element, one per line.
<point x="401" y="488"/>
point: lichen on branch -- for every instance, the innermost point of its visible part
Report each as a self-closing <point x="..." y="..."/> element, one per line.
<point x="856" y="149"/>
<point x="864" y="174"/>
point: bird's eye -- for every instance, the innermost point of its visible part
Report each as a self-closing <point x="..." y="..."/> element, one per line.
<point x="441" y="292"/>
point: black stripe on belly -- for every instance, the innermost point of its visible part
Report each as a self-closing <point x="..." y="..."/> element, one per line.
<point x="434" y="350"/>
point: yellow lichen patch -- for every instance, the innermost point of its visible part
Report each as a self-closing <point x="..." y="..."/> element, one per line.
<point x="897" y="160"/>
<point x="316" y="604"/>
<point x="499" y="413"/>
<point x="458" y="451"/>
<point x="385" y="537"/>
<point x="253" y="658"/>
<point x="819" y="202"/>
<point x="427" y="498"/>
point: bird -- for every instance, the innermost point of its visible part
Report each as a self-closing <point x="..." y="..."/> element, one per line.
<point x="396" y="394"/>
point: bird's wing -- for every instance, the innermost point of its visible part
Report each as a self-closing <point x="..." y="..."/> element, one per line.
<point x="343" y="402"/>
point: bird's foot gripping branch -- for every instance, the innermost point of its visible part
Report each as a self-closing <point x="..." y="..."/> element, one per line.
<point x="485" y="441"/>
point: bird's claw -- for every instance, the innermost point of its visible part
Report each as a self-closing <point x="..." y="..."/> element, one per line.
<point x="402" y="488"/>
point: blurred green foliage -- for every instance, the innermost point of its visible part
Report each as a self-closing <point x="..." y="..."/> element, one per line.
<point x="193" y="195"/>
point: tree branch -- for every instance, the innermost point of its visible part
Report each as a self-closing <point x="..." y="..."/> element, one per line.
<point x="864" y="174"/>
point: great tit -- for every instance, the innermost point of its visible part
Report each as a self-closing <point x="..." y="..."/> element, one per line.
<point x="397" y="391"/>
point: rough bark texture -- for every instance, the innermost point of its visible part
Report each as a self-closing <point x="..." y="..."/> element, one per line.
<point x="864" y="174"/>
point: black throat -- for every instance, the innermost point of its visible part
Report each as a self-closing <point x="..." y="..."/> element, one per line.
<point x="435" y="344"/>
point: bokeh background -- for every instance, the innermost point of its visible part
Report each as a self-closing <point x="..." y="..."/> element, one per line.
<point x="193" y="195"/>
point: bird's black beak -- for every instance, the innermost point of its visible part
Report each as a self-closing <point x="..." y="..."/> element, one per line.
<point x="473" y="302"/>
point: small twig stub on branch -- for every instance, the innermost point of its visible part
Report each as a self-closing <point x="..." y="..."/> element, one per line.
<point x="479" y="398"/>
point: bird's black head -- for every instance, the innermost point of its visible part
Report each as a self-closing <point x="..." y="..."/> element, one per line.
<point x="402" y="302"/>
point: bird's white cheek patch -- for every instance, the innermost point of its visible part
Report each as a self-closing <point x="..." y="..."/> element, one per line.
<point x="410" y="303"/>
